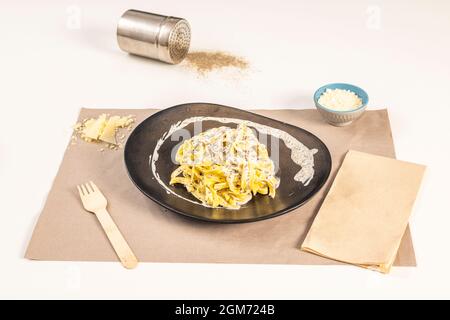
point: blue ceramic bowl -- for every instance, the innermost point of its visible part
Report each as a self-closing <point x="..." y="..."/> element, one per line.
<point x="341" y="118"/>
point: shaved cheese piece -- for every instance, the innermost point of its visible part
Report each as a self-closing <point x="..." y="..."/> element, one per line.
<point x="93" y="127"/>
<point x="110" y="129"/>
<point x="103" y="129"/>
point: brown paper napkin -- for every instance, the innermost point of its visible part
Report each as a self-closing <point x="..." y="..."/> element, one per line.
<point x="366" y="211"/>
<point x="65" y="231"/>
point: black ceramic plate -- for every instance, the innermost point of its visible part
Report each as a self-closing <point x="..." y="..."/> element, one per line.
<point x="289" y="195"/>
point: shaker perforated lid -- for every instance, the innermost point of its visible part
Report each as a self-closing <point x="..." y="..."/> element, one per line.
<point x="154" y="36"/>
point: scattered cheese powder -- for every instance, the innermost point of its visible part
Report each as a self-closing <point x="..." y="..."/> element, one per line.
<point x="103" y="130"/>
<point x="205" y="61"/>
<point x="340" y="100"/>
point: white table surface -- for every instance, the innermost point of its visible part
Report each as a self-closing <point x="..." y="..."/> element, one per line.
<point x="59" y="56"/>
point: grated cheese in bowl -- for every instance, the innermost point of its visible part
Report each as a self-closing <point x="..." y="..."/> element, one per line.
<point x="340" y="103"/>
<point x="340" y="100"/>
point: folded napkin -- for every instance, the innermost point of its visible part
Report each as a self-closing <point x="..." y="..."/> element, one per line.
<point x="365" y="213"/>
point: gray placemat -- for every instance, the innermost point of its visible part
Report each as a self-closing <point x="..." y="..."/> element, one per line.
<point x="65" y="231"/>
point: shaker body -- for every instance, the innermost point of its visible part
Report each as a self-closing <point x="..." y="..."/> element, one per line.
<point x="154" y="36"/>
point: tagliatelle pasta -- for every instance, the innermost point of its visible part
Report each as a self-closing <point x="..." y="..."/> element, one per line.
<point x="225" y="167"/>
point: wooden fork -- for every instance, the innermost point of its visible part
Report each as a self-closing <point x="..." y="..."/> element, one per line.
<point x="94" y="201"/>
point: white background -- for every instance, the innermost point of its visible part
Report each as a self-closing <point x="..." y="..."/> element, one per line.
<point x="59" y="56"/>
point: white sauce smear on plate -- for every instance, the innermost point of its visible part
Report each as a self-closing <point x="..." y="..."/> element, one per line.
<point x="300" y="154"/>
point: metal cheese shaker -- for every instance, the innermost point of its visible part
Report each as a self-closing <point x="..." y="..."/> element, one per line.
<point x="154" y="36"/>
